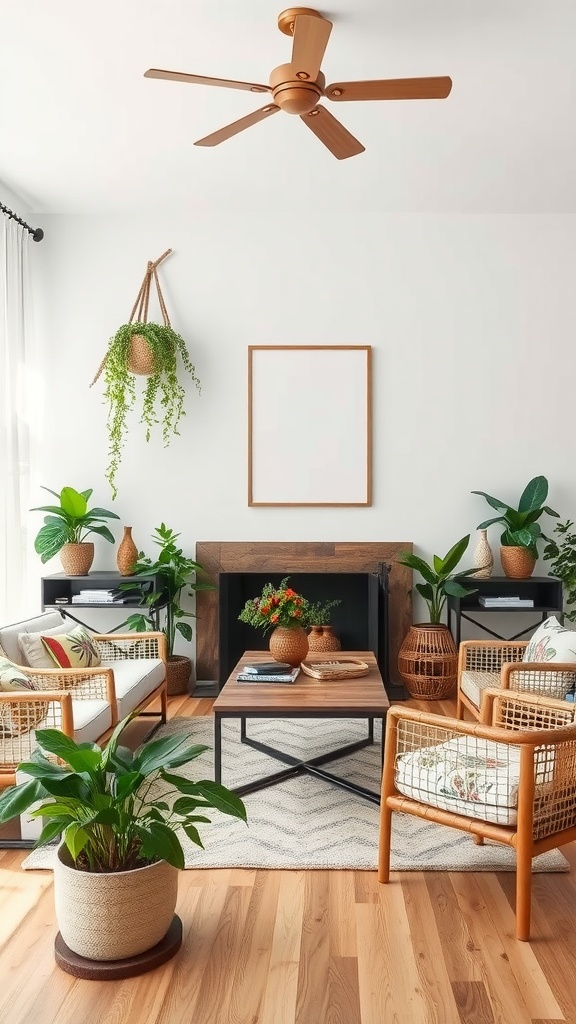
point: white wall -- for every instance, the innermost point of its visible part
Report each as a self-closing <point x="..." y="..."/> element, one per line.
<point x="473" y="329"/>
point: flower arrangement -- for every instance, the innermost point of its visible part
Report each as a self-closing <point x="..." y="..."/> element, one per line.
<point x="276" y="606"/>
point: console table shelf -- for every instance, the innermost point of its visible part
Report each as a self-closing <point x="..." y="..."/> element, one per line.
<point x="59" y="589"/>
<point x="545" y="591"/>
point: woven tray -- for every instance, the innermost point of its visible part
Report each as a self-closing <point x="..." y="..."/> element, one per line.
<point x="350" y="668"/>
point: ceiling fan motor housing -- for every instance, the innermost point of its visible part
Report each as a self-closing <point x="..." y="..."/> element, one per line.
<point x="295" y="95"/>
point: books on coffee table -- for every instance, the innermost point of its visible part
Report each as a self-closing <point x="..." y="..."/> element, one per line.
<point x="269" y="677"/>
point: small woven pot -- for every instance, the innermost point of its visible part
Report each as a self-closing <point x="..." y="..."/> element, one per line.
<point x="141" y="357"/>
<point x="77" y="558"/>
<point x="428" y="661"/>
<point x="321" y="638"/>
<point x="114" y="915"/>
<point x="289" y="644"/>
<point x="517" y="563"/>
<point x="178" y="669"/>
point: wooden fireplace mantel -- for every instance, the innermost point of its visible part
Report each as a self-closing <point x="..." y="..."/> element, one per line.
<point x="290" y="557"/>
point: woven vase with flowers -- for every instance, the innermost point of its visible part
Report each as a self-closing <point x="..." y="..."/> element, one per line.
<point x="283" y="611"/>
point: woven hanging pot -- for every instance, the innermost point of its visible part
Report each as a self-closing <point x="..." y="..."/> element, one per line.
<point x="77" y="558"/>
<point x="428" y="661"/>
<point x="517" y="563"/>
<point x="321" y="638"/>
<point x="141" y="357"/>
<point x="114" y="915"/>
<point x="289" y="644"/>
<point x="178" y="669"/>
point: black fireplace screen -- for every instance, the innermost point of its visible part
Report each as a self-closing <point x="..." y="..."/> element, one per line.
<point x="359" y="621"/>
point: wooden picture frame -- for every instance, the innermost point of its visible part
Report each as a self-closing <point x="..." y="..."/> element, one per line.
<point x="309" y="425"/>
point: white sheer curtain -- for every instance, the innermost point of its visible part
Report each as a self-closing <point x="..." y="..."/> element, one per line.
<point x="16" y="547"/>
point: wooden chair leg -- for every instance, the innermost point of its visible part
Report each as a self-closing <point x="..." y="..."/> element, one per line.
<point x="384" y="843"/>
<point x="479" y="840"/>
<point x="523" y="893"/>
<point x="459" y="707"/>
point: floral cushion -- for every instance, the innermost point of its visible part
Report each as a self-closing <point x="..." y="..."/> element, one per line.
<point x="33" y="649"/>
<point x="467" y="775"/>
<point x="17" y="717"/>
<point x="551" y="642"/>
<point x="72" y="650"/>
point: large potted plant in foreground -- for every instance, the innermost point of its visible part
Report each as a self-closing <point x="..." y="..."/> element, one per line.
<point x="428" y="659"/>
<point x="66" y="527"/>
<point x="519" y="551"/>
<point x="119" y="814"/>
<point x="176" y="571"/>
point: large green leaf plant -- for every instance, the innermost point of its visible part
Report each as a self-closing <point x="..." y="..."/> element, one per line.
<point x="116" y="809"/>
<point x="521" y="526"/>
<point x="439" y="577"/>
<point x="70" y="522"/>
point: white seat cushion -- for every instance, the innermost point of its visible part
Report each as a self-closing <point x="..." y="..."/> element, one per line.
<point x="134" y="679"/>
<point x="473" y="684"/>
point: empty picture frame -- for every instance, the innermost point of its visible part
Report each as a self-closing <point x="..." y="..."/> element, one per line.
<point x="309" y="425"/>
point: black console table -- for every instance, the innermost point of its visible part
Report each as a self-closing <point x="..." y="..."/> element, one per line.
<point x="59" y="589"/>
<point x="544" y="591"/>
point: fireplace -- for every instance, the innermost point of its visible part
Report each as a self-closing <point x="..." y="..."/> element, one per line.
<point x="260" y="561"/>
<point x="359" y="620"/>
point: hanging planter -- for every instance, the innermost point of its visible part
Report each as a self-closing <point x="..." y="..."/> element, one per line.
<point x="140" y="348"/>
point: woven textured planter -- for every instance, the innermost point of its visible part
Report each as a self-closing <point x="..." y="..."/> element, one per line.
<point x="321" y="638"/>
<point x="141" y="357"/>
<point x="115" y="915"/>
<point x="127" y="553"/>
<point x="428" y="661"/>
<point x="178" y="669"/>
<point x="289" y="645"/>
<point x="517" y="563"/>
<point x="77" y="558"/>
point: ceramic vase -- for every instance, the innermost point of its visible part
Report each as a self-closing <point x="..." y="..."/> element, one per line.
<point x="483" y="557"/>
<point x="127" y="553"/>
<point x="289" y="644"/>
<point x="321" y="638"/>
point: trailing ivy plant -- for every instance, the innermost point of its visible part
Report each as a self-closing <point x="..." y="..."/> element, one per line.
<point x="163" y="398"/>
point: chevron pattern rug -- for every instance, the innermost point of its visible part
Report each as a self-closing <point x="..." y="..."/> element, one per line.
<point x="308" y="823"/>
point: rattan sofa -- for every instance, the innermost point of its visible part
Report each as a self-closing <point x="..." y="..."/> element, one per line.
<point x="510" y="778"/>
<point x="84" y="703"/>
<point x="484" y="664"/>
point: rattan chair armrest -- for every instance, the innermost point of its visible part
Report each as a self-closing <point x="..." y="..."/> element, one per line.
<point x="510" y="667"/>
<point x="43" y="697"/>
<point x="525" y="701"/>
<point x="100" y="682"/>
<point x="482" y="730"/>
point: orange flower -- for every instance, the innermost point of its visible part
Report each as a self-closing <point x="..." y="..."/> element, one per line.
<point x="274" y="618"/>
<point x="297" y="613"/>
<point x="290" y="593"/>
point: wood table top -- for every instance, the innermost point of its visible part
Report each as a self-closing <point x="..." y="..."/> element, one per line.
<point x="362" y="695"/>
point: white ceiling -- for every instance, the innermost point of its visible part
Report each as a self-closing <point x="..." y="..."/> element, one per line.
<point x="82" y="131"/>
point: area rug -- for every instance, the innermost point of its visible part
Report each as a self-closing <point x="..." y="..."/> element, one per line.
<point x="308" y="823"/>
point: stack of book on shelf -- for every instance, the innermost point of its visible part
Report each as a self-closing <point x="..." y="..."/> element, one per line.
<point x="99" y="597"/>
<point x="507" y="601"/>
<point x="268" y="672"/>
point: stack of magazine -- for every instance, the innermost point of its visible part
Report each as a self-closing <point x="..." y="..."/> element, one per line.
<point x="508" y="601"/>
<point x="268" y="672"/>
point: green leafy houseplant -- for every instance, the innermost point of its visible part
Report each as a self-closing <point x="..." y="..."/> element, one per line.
<point x="100" y="799"/>
<point x="521" y="526"/>
<point x="163" y="399"/>
<point x="440" y="577"/>
<point x="176" y="572"/>
<point x="561" y="553"/>
<point x="276" y="606"/>
<point x="70" y="522"/>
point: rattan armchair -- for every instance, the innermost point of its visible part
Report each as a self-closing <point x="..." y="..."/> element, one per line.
<point x="483" y="664"/>
<point x="510" y="778"/>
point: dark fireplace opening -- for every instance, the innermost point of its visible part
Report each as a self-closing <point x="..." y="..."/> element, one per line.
<point x="360" y="620"/>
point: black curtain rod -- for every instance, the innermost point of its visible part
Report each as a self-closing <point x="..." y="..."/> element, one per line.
<point x="37" y="233"/>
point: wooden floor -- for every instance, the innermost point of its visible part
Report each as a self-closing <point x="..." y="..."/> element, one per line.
<point x="279" y="947"/>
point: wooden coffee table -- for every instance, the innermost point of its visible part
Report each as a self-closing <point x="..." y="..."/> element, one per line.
<point x="361" y="697"/>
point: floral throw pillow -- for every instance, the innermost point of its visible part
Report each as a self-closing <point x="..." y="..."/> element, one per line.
<point x="72" y="650"/>
<point x="12" y="677"/>
<point x="551" y="643"/>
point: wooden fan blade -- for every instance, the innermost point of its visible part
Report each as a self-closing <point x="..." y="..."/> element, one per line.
<point x="237" y="126"/>
<point x="391" y="89"/>
<point x="225" y="83"/>
<point x="311" y="37"/>
<point x="333" y="134"/>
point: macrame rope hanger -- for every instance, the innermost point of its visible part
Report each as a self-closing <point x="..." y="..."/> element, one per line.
<point x="139" y="312"/>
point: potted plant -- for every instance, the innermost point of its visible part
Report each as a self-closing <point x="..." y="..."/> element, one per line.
<point x="321" y="637"/>
<point x="66" y="528"/>
<point x="116" y="876"/>
<point x="561" y="554"/>
<point x="285" y="612"/>
<point x="163" y="396"/>
<point x="176" y="571"/>
<point x="522" y="530"/>
<point x="427" y="660"/>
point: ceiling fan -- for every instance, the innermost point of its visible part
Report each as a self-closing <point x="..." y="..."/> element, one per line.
<point x="298" y="86"/>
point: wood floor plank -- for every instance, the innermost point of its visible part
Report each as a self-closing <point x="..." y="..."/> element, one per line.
<point x="252" y="960"/>
<point x="343" y="990"/>
<point x="472" y="1002"/>
<point x="426" y="944"/>
<point x="281" y="988"/>
<point x="312" y="997"/>
<point x="341" y="915"/>
<point x="456" y="943"/>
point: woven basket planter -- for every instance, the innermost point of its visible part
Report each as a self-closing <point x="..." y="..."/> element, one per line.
<point x="428" y="661"/>
<point x="141" y="357"/>
<point x="114" y="915"/>
<point x="517" y="563"/>
<point x="178" y="669"/>
<point x="321" y="638"/>
<point x="289" y="645"/>
<point x="77" y="558"/>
